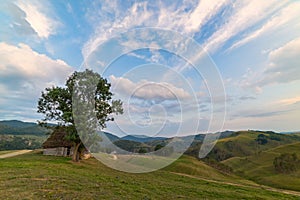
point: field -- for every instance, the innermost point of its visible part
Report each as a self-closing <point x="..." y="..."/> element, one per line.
<point x="260" y="168"/>
<point x="34" y="176"/>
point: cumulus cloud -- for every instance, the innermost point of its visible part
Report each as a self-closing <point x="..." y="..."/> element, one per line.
<point x="282" y="67"/>
<point x="284" y="64"/>
<point x="37" y="15"/>
<point x="25" y="61"/>
<point x="25" y="73"/>
<point x="148" y="90"/>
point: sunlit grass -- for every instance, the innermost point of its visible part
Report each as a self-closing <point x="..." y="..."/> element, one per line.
<point x="34" y="176"/>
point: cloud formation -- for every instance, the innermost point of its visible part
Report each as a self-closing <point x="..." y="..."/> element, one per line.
<point x="190" y="18"/>
<point x="148" y="90"/>
<point x="25" y="73"/>
<point x="286" y="17"/>
<point x="284" y="64"/>
<point x="35" y="15"/>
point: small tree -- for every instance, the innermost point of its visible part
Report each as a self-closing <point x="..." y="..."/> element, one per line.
<point x="56" y="103"/>
<point x="286" y="163"/>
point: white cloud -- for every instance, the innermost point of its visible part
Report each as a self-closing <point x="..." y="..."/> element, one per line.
<point x="23" y="60"/>
<point x="25" y="73"/>
<point x="245" y="14"/>
<point x="284" y="64"/>
<point x="205" y="10"/>
<point x="289" y="101"/>
<point x="110" y="18"/>
<point x="148" y="90"/>
<point x="36" y="16"/>
<point x="286" y="18"/>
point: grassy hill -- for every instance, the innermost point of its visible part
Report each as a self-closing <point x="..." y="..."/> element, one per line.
<point x="191" y="166"/>
<point x="260" y="167"/>
<point x="34" y="176"/>
<point x="246" y="143"/>
<point x="251" y="154"/>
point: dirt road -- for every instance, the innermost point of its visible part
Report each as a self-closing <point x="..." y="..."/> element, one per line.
<point x="16" y="153"/>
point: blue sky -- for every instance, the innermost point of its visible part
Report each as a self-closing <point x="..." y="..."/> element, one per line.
<point x="253" y="44"/>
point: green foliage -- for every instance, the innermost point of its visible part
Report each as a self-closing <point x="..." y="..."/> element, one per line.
<point x="142" y="150"/>
<point x="11" y="142"/>
<point x="14" y="127"/>
<point x="261" y="139"/>
<point x="158" y="147"/>
<point x="286" y="163"/>
<point x="85" y="100"/>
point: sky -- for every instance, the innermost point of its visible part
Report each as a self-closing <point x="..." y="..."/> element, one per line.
<point x="180" y="67"/>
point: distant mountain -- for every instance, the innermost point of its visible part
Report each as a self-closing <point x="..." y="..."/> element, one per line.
<point x="142" y="138"/>
<point x="292" y="132"/>
<point x="15" y="127"/>
<point x="17" y="124"/>
<point x="111" y="136"/>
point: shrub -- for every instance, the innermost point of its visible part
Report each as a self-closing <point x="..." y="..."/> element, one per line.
<point x="286" y="163"/>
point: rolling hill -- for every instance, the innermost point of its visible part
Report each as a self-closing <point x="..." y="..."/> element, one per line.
<point x="246" y="143"/>
<point x="260" y="168"/>
<point x="34" y="176"/>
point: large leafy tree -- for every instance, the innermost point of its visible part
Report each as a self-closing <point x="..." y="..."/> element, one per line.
<point x="85" y="101"/>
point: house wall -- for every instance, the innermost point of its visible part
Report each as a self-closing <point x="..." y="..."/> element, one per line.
<point x="58" y="151"/>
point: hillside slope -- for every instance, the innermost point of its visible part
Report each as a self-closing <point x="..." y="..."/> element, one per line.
<point x="260" y="167"/>
<point x="246" y="143"/>
<point x="34" y="176"/>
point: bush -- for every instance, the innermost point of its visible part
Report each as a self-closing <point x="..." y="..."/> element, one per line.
<point x="261" y="139"/>
<point x="286" y="163"/>
<point x="218" y="165"/>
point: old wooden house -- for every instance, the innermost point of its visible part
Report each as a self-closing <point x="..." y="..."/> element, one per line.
<point x="57" y="144"/>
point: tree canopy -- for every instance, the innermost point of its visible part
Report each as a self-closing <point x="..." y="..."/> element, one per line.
<point x="85" y="101"/>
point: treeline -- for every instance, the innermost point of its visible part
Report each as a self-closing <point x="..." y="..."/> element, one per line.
<point x="18" y="143"/>
<point x="15" y="127"/>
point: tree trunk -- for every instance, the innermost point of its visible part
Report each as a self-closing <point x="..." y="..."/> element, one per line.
<point x="75" y="156"/>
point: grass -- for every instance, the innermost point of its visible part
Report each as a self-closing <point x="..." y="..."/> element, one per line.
<point x="192" y="166"/>
<point x="243" y="143"/>
<point x="260" y="167"/>
<point x="34" y="176"/>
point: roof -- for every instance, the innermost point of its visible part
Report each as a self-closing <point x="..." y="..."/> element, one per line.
<point x="57" y="139"/>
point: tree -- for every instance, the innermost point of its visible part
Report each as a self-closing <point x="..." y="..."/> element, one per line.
<point x="86" y="100"/>
<point x="286" y="163"/>
<point x="262" y="139"/>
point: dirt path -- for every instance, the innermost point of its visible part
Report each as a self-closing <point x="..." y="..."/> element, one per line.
<point x="16" y="153"/>
<point x="241" y="185"/>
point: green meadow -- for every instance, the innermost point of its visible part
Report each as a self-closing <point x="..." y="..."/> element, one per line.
<point x="34" y="176"/>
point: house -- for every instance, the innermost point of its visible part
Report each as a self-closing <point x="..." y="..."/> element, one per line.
<point x="57" y="145"/>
